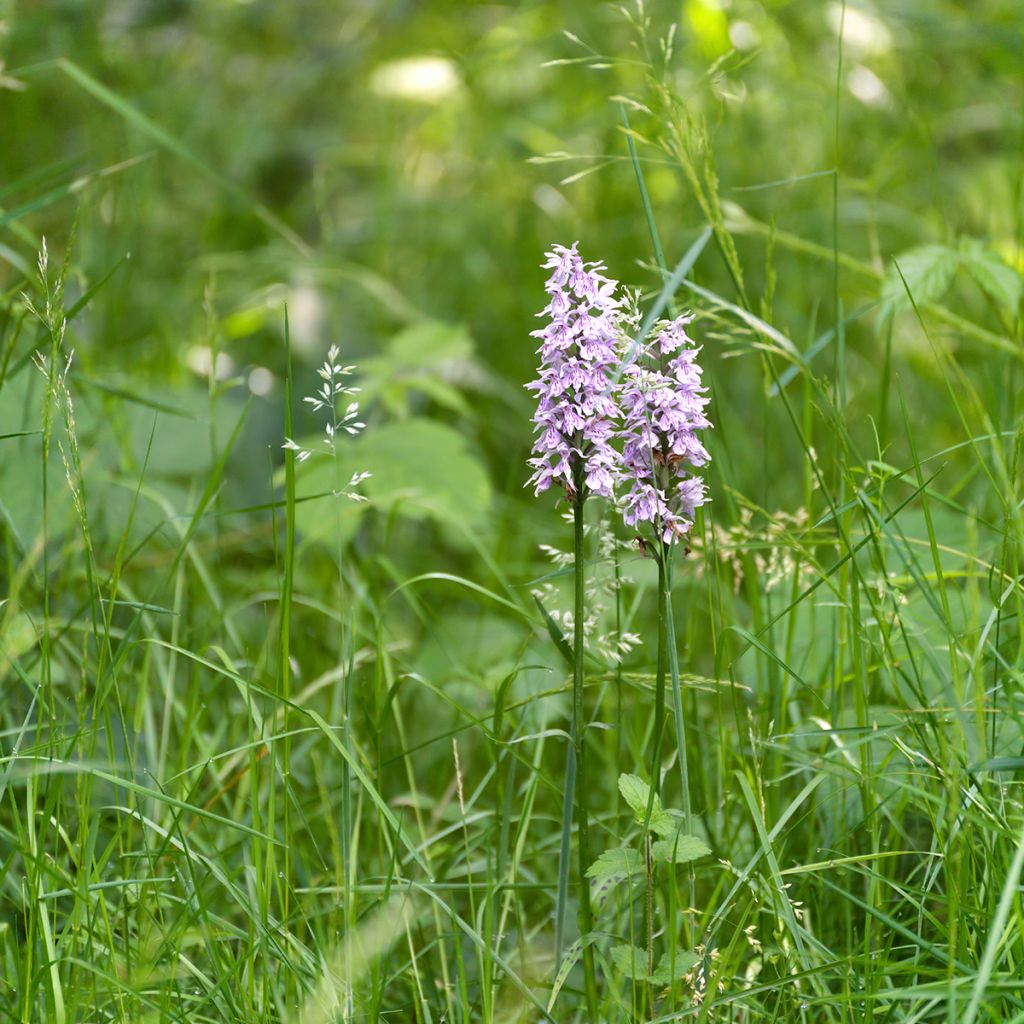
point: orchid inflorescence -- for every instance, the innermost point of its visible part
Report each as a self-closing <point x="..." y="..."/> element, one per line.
<point x="577" y="409"/>
<point x="664" y="404"/>
<point x="329" y="397"/>
<point x="611" y="412"/>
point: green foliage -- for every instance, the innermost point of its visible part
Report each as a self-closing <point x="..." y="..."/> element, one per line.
<point x="1001" y="282"/>
<point x="418" y="468"/>
<point x="631" y="960"/>
<point x="618" y="862"/>
<point x="679" y="849"/>
<point x="638" y="797"/>
<point x="424" y="359"/>
<point x="668" y="970"/>
<point x="924" y="274"/>
<point x="272" y="756"/>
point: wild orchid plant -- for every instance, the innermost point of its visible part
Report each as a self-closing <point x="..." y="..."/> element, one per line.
<point x="613" y="412"/>
<point x="664" y="402"/>
<point x="576" y="420"/>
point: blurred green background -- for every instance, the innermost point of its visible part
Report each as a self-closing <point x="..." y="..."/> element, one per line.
<point x="381" y="167"/>
<point x="394" y="172"/>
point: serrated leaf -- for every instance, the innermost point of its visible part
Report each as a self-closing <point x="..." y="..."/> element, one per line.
<point x="663" y="824"/>
<point x="631" y="960"/>
<point x="928" y="272"/>
<point x="680" y="850"/>
<point x="637" y="793"/>
<point x="998" y="279"/>
<point x="684" y="963"/>
<point x="621" y="860"/>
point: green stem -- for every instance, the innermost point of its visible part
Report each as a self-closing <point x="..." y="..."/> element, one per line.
<point x="649" y="913"/>
<point x="677" y="706"/>
<point x="578" y="737"/>
<point x="659" y="681"/>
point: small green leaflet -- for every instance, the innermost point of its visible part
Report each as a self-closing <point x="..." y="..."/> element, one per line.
<point x="998" y="279"/>
<point x="632" y="961"/>
<point x="685" y="962"/>
<point x="637" y="795"/>
<point x="928" y="271"/>
<point x="621" y="860"/>
<point x="680" y="850"/>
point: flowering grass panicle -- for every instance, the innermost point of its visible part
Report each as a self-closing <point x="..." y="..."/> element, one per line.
<point x="575" y="421"/>
<point x="330" y="397"/>
<point x="663" y="404"/>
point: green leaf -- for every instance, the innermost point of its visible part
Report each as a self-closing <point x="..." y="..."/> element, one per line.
<point x="665" y="975"/>
<point x="419" y="469"/>
<point x="663" y="824"/>
<point x="928" y="271"/>
<point x="425" y="467"/>
<point x="1001" y="282"/>
<point x="572" y="955"/>
<point x="621" y="860"/>
<point x="631" y="960"/>
<point x="430" y="343"/>
<point x="680" y="850"/>
<point x="430" y="357"/>
<point x="637" y="794"/>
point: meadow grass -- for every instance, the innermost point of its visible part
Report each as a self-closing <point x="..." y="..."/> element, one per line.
<point x="271" y="755"/>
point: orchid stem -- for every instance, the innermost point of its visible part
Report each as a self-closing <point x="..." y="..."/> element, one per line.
<point x="659" y="680"/>
<point x="579" y="745"/>
<point x="677" y="707"/>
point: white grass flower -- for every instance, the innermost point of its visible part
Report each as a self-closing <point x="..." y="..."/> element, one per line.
<point x="326" y="398"/>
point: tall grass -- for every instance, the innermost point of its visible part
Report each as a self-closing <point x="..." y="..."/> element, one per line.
<point x="268" y="756"/>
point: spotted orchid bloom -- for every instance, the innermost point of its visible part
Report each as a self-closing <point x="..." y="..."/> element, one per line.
<point x="577" y="412"/>
<point x="663" y="404"/>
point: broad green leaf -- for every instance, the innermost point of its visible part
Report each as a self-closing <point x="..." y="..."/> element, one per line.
<point x="928" y="271"/>
<point x="17" y="635"/>
<point x="679" y="850"/>
<point x="429" y="343"/>
<point x="684" y="963"/>
<point x="999" y="280"/>
<point x="419" y="469"/>
<point x="622" y="860"/>
<point x="637" y="793"/>
<point x="663" y="824"/>
<point x="430" y="357"/>
<point x="631" y="960"/>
